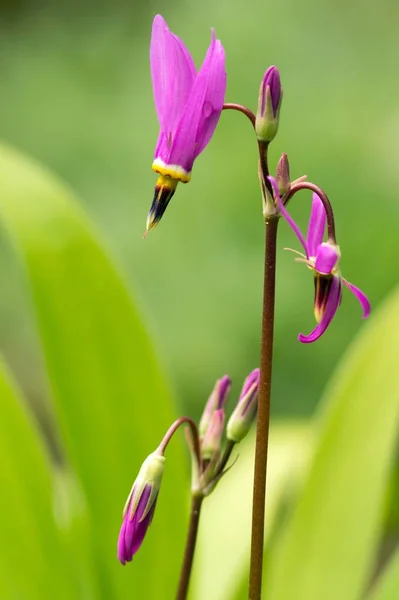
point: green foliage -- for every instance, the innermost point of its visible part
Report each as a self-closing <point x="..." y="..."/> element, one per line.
<point x="226" y="523"/>
<point x="109" y="396"/>
<point x="76" y="93"/>
<point x="327" y="548"/>
<point x="31" y="541"/>
<point x="387" y="586"/>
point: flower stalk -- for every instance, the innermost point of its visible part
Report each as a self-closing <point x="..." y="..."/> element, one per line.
<point x="263" y="418"/>
<point x="185" y="573"/>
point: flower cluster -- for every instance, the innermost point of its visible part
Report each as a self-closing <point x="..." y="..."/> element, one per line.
<point x="209" y="453"/>
<point x="188" y="105"/>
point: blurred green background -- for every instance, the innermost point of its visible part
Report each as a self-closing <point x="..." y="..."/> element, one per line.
<point x="76" y="94"/>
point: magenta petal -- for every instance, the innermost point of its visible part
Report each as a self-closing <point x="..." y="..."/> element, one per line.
<point x="214" y="69"/>
<point x="173" y="73"/>
<point x="141" y="530"/>
<point x="364" y="302"/>
<point x="333" y="301"/>
<point x="317" y="224"/>
<point x="122" y="556"/>
<point x="287" y="217"/>
<point x="252" y="378"/>
<point x="327" y="257"/>
<point x="202" y="110"/>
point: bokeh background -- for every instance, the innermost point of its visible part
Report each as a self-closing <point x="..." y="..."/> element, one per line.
<point x="76" y="94"/>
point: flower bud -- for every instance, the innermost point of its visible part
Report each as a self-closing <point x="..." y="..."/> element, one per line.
<point x="140" y="506"/>
<point x="269" y="102"/>
<point x="245" y="412"/>
<point x="283" y="175"/>
<point x="216" y="400"/>
<point x="211" y="443"/>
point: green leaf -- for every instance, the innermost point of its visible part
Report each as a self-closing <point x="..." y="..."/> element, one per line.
<point x="329" y="544"/>
<point x="109" y="392"/>
<point x="226" y="525"/>
<point x="387" y="586"/>
<point x="33" y="554"/>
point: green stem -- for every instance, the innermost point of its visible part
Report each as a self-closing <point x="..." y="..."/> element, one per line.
<point x="196" y="503"/>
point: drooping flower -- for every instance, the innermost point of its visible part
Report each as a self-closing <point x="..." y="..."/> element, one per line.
<point x="188" y="106"/>
<point x="323" y="259"/>
<point x="244" y="413"/>
<point x="140" y="506"/>
<point x="269" y="102"/>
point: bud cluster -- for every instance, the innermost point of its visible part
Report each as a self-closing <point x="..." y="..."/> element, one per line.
<point x="214" y="450"/>
<point x="209" y="452"/>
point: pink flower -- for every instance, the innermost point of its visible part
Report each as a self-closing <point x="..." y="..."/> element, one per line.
<point x="323" y="259"/>
<point x="188" y="106"/>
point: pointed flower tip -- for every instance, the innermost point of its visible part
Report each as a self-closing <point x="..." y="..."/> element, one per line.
<point x="244" y="413"/>
<point x="140" y="506"/>
<point x="216" y="401"/>
<point x="164" y="191"/>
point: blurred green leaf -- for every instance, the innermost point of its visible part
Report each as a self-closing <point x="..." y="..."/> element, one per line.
<point x="328" y="546"/>
<point x="225" y="532"/>
<point x="33" y="561"/>
<point x="387" y="586"/>
<point x="109" y="393"/>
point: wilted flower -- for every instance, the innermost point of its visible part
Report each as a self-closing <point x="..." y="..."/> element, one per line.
<point x="216" y="401"/>
<point x="269" y="102"/>
<point x="140" y="506"/>
<point x="188" y="106"/>
<point x="244" y="413"/>
<point x="323" y="259"/>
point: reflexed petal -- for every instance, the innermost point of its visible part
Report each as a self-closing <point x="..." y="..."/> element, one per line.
<point x="330" y="310"/>
<point x="173" y="73"/>
<point x="326" y="258"/>
<point x="214" y="68"/>
<point x="365" y="304"/>
<point x="202" y="110"/>
<point x="317" y="224"/>
<point x="287" y="217"/>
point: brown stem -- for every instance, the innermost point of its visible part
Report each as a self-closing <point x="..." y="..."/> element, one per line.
<point x="246" y="111"/>
<point x="172" y="430"/>
<point x="306" y="185"/>
<point x="196" y="503"/>
<point x="263" y="419"/>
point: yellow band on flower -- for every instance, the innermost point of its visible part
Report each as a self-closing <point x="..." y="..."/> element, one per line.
<point x="172" y="171"/>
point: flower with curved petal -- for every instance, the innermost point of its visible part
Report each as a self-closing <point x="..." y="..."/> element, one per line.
<point x="188" y="106"/>
<point x="323" y="259"/>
